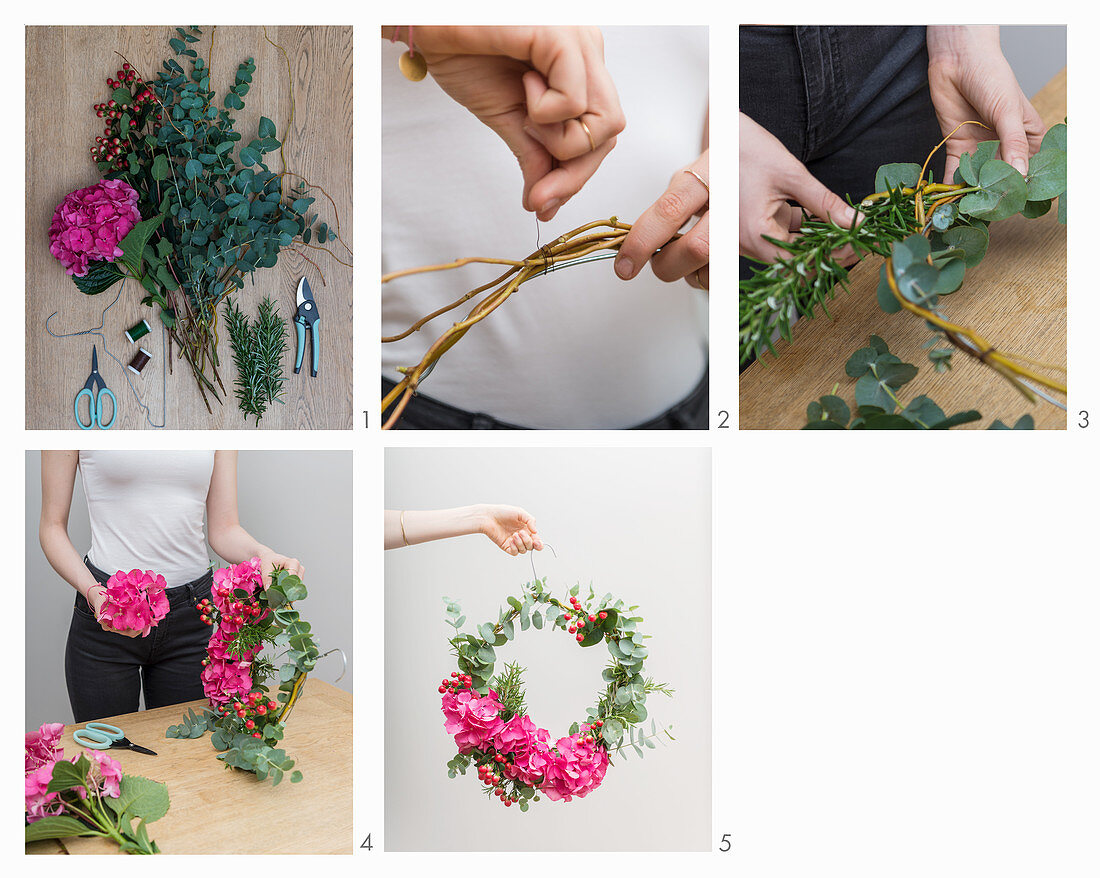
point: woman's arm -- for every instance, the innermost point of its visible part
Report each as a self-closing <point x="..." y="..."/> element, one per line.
<point x="223" y="527"/>
<point x="58" y="478"/>
<point x="509" y="527"/>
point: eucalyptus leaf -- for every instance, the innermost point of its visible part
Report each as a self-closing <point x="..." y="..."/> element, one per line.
<point x="1003" y="192"/>
<point x="897" y="175"/>
<point x="1046" y="175"/>
<point x="971" y="164"/>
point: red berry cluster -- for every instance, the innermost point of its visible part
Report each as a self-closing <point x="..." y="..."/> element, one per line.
<point x="239" y="612"/>
<point x="578" y="626"/>
<point x="109" y="147"/>
<point x="253" y="706"/>
<point x="594" y="732"/>
<point x="457" y="682"/>
<point x="489" y="775"/>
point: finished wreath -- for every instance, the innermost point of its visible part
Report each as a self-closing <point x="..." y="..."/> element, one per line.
<point x="245" y="720"/>
<point x="486" y="712"/>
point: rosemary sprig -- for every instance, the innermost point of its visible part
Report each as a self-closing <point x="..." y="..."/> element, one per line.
<point x="258" y="355"/>
<point x="509" y="689"/>
<point x="796" y="284"/>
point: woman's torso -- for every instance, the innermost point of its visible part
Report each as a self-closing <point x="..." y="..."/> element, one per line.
<point x="147" y="511"/>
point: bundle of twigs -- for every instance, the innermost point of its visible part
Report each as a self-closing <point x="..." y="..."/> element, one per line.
<point x="572" y="248"/>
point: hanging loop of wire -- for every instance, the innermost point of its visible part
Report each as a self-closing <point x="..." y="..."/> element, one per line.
<point x="343" y="659"/>
<point x="98" y="331"/>
<point x="534" y="573"/>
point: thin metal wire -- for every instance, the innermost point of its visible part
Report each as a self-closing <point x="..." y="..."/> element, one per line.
<point x="532" y="559"/>
<point x="343" y="658"/>
<point x="580" y="260"/>
<point x="97" y="331"/>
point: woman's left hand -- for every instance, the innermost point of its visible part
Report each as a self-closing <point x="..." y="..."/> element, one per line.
<point x="272" y="561"/>
<point x="688" y="257"/>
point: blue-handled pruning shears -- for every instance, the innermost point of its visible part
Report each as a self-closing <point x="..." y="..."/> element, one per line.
<point x="307" y="318"/>
<point x="95" y="388"/>
<point x="104" y="736"/>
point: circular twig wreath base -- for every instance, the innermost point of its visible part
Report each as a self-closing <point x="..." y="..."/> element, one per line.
<point x="485" y="711"/>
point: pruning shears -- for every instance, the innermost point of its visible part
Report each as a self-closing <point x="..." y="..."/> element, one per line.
<point x="307" y="319"/>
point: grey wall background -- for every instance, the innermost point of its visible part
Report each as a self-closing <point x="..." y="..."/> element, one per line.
<point x="1036" y="53"/>
<point x="297" y="502"/>
<point x="634" y="522"/>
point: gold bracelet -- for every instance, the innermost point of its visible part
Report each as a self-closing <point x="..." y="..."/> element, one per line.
<point x="403" y="537"/>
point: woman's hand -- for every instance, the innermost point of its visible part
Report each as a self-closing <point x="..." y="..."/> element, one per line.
<point x="270" y="560"/>
<point x="688" y="257"/>
<point x="96" y="597"/>
<point x="970" y="80"/>
<point x="544" y="90"/>
<point x="511" y="528"/>
<point x="769" y="177"/>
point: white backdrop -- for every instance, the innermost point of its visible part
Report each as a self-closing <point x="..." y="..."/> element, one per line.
<point x="634" y="522"/>
<point x="297" y="502"/>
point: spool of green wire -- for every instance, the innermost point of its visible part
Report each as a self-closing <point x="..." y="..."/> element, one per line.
<point x="138" y="330"/>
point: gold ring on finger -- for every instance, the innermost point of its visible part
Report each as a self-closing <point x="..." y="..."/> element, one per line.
<point x="706" y="185"/>
<point x="591" y="140"/>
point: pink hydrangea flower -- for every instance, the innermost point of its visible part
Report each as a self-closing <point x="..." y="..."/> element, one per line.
<point x="224" y="680"/>
<point x="576" y="768"/>
<point x="529" y="747"/>
<point x="473" y="719"/>
<point x="246" y="576"/>
<point x="39" y="803"/>
<point x="90" y="223"/>
<point x="228" y="676"/>
<point x="109" y="771"/>
<point x="135" y="601"/>
<point x="44" y="746"/>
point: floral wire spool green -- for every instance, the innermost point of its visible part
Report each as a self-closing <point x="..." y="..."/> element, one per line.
<point x="486" y="712"/>
<point x="137" y="331"/>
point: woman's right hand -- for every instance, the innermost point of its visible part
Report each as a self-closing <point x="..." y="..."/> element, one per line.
<point x="539" y="89"/>
<point x="511" y="528"/>
<point x="769" y="177"/>
<point x="96" y="597"/>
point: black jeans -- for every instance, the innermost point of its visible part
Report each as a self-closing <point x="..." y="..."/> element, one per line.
<point x="425" y="413"/>
<point x="106" y="672"/>
<point x="843" y="100"/>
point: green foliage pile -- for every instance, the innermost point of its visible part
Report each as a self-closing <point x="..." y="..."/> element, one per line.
<point x="215" y="212"/>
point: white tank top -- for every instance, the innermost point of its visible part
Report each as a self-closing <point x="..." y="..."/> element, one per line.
<point x="575" y="349"/>
<point x="148" y="510"/>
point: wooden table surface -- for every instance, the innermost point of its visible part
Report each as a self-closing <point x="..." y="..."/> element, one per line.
<point x="62" y="126"/>
<point x="218" y="811"/>
<point x="1016" y="298"/>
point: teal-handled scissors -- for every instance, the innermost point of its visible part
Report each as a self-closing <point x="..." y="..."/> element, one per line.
<point x="104" y="736"/>
<point x="95" y="388"/>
